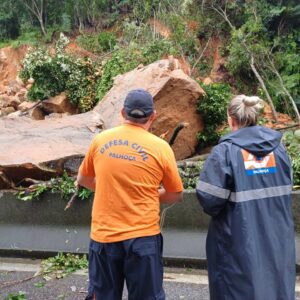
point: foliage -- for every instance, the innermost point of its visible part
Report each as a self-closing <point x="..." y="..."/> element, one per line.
<point x="138" y="33"/>
<point x="213" y="108"/>
<point x="190" y="175"/>
<point x="62" y="265"/>
<point x="54" y="74"/>
<point x="64" y="185"/>
<point x="126" y="59"/>
<point x="49" y="72"/>
<point x="81" y="83"/>
<point x="183" y="39"/>
<point x="89" y="42"/>
<point x="9" y="22"/>
<point x="292" y="143"/>
<point x="66" y="24"/>
<point x="144" y="9"/>
<point x="269" y="32"/>
<point x="30" y="195"/>
<point x="84" y="194"/>
<point x="107" y="40"/>
<point x="19" y="296"/>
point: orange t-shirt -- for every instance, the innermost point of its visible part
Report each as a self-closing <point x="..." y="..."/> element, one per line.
<point x="129" y="164"/>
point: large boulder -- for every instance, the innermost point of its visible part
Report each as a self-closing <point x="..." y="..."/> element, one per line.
<point x="175" y="96"/>
<point x="43" y="149"/>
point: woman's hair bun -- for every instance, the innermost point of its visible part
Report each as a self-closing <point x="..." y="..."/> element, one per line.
<point x="253" y="101"/>
<point x="250" y="100"/>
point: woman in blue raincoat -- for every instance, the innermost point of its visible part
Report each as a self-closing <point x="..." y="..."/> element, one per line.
<point x="245" y="187"/>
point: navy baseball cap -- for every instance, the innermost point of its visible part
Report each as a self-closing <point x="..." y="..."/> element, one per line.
<point x="138" y="104"/>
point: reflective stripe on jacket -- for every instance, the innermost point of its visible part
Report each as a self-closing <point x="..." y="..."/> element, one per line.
<point x="246" y="187"/>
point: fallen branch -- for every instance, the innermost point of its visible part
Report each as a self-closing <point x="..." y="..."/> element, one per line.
<point x="70" y="202"/>
<point x="288" y="127"/>
<point x="10" y="283"/>
<point x="25" y="112"/>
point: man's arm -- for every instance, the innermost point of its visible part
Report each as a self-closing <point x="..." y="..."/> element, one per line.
<point x="86" y="181"/>
<point x="168" y="197"/>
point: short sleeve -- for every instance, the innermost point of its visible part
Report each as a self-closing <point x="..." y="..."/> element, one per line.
<point x="87" y="166"/>
<point x="171" y="179"/>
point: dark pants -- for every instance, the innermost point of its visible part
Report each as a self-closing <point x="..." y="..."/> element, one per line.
<point x="137" y="261"/>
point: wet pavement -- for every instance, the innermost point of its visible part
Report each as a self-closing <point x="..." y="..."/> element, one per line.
<point x="18" y="275"/>
<point x="73" y="287"/>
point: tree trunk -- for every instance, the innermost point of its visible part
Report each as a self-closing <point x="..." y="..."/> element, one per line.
<point x="261" y="82"/>
<point x="275" y="71"/>
<point x="42" y="26"/>
<point x="223" y="14"/>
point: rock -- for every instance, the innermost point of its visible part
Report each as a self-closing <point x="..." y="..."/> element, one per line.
<point x="13" y="88"/>
<point x="3" y="89"/>
<point x="20" y="82"/>
<point x="175" y="96"/>
<point x="15" y="114"/>
<point x="22" y="95"/>
<point x="43" y="149"/>
<point x="5" y="183"/>
<point x="56" y="115"/>
<point x="37" y="114"/>
<point x="28" y="86"/>
<point x="30" y="80"/>
<point x="7" y="110"/>
<point x="59" y="104"/>
<point x="207" y="80"/>
<point x="25" y="105"/>
<point x="4" y="100"/>
<point x="14" y="102"/>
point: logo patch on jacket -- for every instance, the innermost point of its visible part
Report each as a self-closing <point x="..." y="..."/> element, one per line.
<point x="255" y="165"/>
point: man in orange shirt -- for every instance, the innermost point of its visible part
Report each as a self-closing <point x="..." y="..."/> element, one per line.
<point x="125" y="166"/>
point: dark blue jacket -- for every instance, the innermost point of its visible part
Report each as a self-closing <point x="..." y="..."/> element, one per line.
<point x="246" y="187"/>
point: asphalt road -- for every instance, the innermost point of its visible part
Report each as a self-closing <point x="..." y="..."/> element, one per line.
<point x="18" y="275"/>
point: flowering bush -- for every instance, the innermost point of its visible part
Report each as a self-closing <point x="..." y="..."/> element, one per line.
<point x="53" y="74"/>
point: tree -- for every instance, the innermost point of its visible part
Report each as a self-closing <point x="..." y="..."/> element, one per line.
<point x="37" y="9"/>
<point x="243" y="39"/>
<point x="9" y="21"/>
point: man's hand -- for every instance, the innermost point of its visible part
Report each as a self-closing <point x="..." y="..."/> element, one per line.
<point x="168" y="197"/>
<point x="86" y="181"/>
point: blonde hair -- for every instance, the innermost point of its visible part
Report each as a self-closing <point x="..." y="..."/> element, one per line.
<point x="245" y="109"/>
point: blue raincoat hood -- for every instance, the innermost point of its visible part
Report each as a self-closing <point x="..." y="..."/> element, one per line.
<point x="257" y="140"/>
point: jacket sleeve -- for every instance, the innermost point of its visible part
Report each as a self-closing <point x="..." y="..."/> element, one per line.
<point x="214" y="186"/>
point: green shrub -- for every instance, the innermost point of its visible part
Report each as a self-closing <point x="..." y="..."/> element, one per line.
<point x="9" y="28"/>
<point x="292" y="143"/>
<point x="66" y="23"/>
<point x="81" y="84"/>
<point x="64" y="185"/>
<point x="53" y="74"/>
<point x="190" y="175"/>
<point x="107" y="40"/>
<point x="184" y="39"/>
<point x="89" y="42"/>
<point x="129" y="58"/>
<point x="213" y="108"/>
